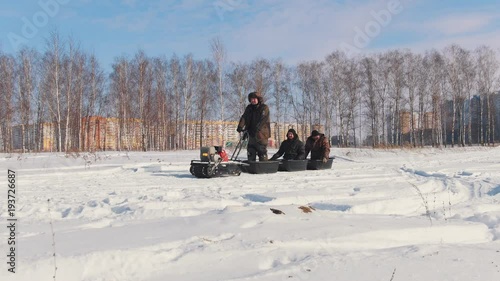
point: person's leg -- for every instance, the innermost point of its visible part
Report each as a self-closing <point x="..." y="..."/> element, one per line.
<point x="251" y="149"/>
<point x="262" y="152"/>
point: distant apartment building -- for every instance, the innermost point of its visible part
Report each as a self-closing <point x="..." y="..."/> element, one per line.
<point x="406" y="118"/>
<point x="428" y="120"/>
<point x="99" y="133"/>
<point x="213" y="133"/>
<point x="45" y="132"/>
<point x="105" y="133"/>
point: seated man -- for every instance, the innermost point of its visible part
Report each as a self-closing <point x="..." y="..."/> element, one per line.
<point x="319" y="147"/>
<point x="292" y="147"/>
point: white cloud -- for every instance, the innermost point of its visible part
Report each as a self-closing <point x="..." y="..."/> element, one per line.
<point x="130" y="22"/>
<point x="468" y="41"/>
<point x="458" y="24"/>
<point x="299" y="30"/>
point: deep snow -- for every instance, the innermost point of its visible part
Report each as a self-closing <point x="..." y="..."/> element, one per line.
<point x="423" y="214"/>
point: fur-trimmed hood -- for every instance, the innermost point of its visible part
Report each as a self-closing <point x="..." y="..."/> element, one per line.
<point x="256" y="95"/>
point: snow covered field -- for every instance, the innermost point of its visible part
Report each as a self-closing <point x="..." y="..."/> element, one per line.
<point x="424" y="214"/>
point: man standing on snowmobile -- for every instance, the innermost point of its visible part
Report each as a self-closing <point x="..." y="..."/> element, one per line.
<point x="255" y="120"/>
<point x="292" y="147"/>
<point x="318" y="145"/>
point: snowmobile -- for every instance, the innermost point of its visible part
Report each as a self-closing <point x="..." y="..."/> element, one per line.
<point x="214" y="161"/>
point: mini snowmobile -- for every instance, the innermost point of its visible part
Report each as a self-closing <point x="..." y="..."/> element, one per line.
<point x="214" y="161"/>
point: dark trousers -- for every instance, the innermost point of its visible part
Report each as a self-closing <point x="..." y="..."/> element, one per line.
<point x="255" y="148"/>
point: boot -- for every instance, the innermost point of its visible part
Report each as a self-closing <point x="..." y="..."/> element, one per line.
<point x="251" y="157"/>
<point x="263" y="157"/>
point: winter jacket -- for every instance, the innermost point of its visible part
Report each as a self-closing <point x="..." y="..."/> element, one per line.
<point x="319" y="149"/>
<point x="256" y="121"/>
<point x="292" y="148"/>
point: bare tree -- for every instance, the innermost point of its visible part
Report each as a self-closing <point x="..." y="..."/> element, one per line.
<point x="187" y="95"/>
<point x="455" y="58"/>
<point x="67" y="89"/>
<point x="53" y="83"/>
<point x="468" y="68"/>
<point x="334" y="64"/>
<point x="352" y="78"/>
<point x="261" y="76"/>
<point x="27" y="80"/>
<point x="121" y="96"/>
<point x="219" y="56"/>
<point x="370" y="97"/>
<point x="92" y="100"/>
<point x="7" y="84"/>
<point x="435" y="63"/>
<point x="382" y="82"/>
<point x="396" y="87"/>
<point x="162" y="114"/>
<point x="424" y="102"/>
<point x="174" y="88"/>
<point x="487" y="78"/>
<point x="80" y="85"/>
<point x="206" y="76"/>
<point x="317" y="82"/>
<point x="239" y="87"/>
<point x="304" y="103"/>
<point x="142" y="82"/>
<point x="279" y="92"/>
<point x="412" y="79"/>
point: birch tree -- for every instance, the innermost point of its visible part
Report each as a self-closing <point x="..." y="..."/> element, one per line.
<point x="7" y="86"/>
<point x="396" y="87"/>
<point x="27" y="85"/>
<point x="334" y="63"/>
<point x="412" y="79"/>
<point x="93" y="99"/>
<point x="175" y="89"/>
<point x="239" y="87"/>
<point x="370" y="97"/>
<point x="219" y="57"/>
<point x="279" y="92"/>
<point x="53" y="84"/>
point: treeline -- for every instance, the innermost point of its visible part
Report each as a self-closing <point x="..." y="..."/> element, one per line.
<point x="393" y="98"/>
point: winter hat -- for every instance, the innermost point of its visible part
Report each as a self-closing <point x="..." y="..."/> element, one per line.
<point x="254" y="95"/>
<point x="293" y="132"/>
<point x="314" y="133"/>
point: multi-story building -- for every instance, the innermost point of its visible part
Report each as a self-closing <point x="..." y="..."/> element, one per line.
<point x="46" y="133"/>
<point x="102" y="133"/>
<point x="213" y="133"/>
<point x="406" y="118"/>
<point x="428" y="120"/>
<point x="105" y="133"/>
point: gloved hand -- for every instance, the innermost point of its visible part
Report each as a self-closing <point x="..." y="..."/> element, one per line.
<point x="239" y="129"/>
<point x="325" y="159"/>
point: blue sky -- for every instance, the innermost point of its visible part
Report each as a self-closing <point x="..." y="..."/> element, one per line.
<point x="294" y="30"/>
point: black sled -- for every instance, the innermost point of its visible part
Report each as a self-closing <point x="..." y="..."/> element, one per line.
<point x="260" y="167"/>
<point x="292" y="165"/>
<point x="319" y="165"/>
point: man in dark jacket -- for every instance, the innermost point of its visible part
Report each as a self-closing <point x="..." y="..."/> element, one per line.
<point x="292" y="147"/>
<point x="318" y="145"/>
<point x="255" y="120"/>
